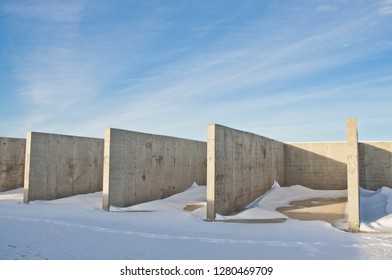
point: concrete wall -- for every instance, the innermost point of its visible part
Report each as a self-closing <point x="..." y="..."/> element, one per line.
<point x="241" y="167"/>
<point x="60" y="166"/>
<point x="316" y="165"/>
<point x="141" y="167"/>
<point x="375" y="164"/>
<point x="12" y="157"/>
<point x="323" y="165"/>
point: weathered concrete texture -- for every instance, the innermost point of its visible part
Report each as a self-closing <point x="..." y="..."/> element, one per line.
<point x="241" y="167"/>
<point x="353" y="202"/>
<point x="60" y="166"/>
<point x="12" y="157"/>
<point x="141" y="167"/>
<point x="375" y="164"/>
<point x="316" y="165"/>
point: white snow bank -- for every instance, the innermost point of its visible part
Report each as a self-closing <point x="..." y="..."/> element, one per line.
<point x="265" y="206"/>
<point x="12" y="195"/>
<point x="376" y="206"/>
<point x="193" y="195"/>
<point x="77" y="228"/>
<point x="376" y="210"/>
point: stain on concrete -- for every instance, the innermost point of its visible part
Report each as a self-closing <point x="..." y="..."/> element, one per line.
<point x="158" y="159"/>
<point x="220" y="179"/>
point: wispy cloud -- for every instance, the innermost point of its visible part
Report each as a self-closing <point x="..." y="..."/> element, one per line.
<point x="233" y="73"/>
<point x="326" y="8"/>
<point x="269" y="69"/>
<point x="45" y="10"/>
<point x="226" y="70"/>
<point x="385" y="7"/>
<point x="53" y="76"/>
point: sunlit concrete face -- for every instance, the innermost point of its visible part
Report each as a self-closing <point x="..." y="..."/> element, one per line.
<point x="60" y="166"/>
<point x="352" y="176"/>
<point x="237" y="166"/>
<point x="233" y="155"/>
<point x="241" y="167"/>
<point x="140" y="167"/>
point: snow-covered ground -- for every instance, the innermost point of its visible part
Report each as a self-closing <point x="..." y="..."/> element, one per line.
<point x="77" y="228"/>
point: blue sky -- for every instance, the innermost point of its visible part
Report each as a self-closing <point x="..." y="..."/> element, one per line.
<point x="288" y="70"/>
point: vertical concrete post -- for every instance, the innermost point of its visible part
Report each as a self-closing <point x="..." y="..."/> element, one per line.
<point x="352" y="176"/>
<point x="106" y="172"/>
<point x="211" y="173"/>
<point x="27" y="168"/>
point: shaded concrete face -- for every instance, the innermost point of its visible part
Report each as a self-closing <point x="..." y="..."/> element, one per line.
<point x="375" y="164"/>
<point x="12" y="157"/>
<point x="316" y="165"/>
<point x="60" y="166"/>
<point x="352" y="176"/>
<point x="141" y="167"/>
<point x="241" y="167"/>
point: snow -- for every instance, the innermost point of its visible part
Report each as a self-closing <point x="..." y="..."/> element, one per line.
<point x="77" y="228"/>
<point x="264" y="206"/>
<point x="376" y="210"/>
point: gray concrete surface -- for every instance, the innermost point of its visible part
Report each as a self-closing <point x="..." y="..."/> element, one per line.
<point x="375" y="164"/>
<point x="60" y="166"/>
<point x="140" y="167"/>
<point x="12" y="157"/>
<point x="316" y="165"/>
<point x="240" y="167"/>
<point x="353" y="202"/>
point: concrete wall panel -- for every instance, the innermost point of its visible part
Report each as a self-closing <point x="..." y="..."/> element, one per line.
<point x="316" y="165"/>
<point x="12" y="157"/>
<point x="375" y="164"/>
<point x="241" y="167"/>
<point x="141" y="167"/>
<point x="323" y="165"/>
<point x="60" y="166"/>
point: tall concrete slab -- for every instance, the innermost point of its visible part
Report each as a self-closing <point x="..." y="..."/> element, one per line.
<point x="140" y="167"/>
<point x="212" y="159"/>
<point x="12" y="157"/>
<point x="319" y="165"/>
<point x="241" y="166"/>
<point x="60" y="166"/>
<point x="352" y="176"/>
<point x="375" y="165"/>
